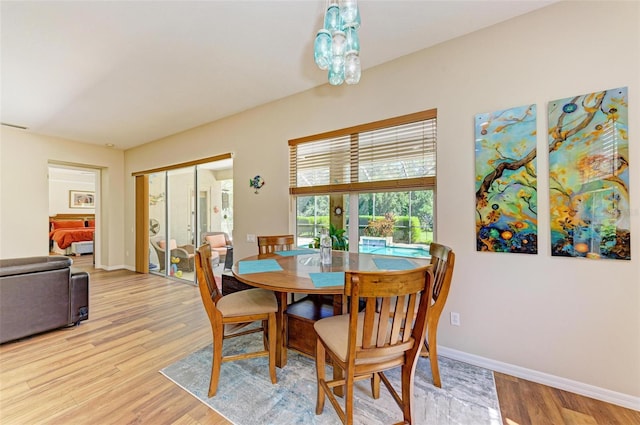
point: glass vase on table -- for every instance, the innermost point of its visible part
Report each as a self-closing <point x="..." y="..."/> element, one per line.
<point x="325" y="247"/>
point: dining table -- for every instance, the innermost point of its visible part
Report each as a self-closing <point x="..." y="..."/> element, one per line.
<point x="300" y="271"/>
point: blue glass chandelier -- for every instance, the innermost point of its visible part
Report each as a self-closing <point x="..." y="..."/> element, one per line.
<point x="337" y="46"/>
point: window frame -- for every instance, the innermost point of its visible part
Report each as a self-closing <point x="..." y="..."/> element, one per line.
<point x="352" y="189"/>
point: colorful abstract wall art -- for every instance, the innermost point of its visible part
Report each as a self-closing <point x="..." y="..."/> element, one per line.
<point x="589" y="176"/>
<point x="506" y="181"/>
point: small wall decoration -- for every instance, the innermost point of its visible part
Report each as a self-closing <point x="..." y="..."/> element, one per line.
<point x="81" y="199"/>
<point x="506" y="181"/>
<point x="257" y="182"/>
<point x="589" y="175"/>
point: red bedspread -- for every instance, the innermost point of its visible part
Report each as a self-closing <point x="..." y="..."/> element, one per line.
<point x="65" y="237"/>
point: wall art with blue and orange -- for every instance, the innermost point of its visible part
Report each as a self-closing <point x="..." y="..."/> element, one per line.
<point x="506" y="181"/>
<point x="589" y="176"/>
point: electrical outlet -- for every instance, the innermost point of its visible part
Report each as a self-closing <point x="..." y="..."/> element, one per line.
<point x="455" y="319"/>
<point x="251" y="238"/>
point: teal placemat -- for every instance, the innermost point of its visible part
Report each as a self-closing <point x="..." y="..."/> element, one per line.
<point x="393" y="264"/>
<point x="258" y="266"/>
<point x="320" y="280"/>
<point x="297" y="252"/>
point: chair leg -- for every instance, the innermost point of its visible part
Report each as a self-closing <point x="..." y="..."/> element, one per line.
<point x="348" y="399"/>
<point x="216" y="362"/>
<point x="265" y="337"/>
<point x="320" y="375"/>
<point x="408" y="374"/>
<point x="375" y="386"/>
<point x="433" y="353"/>
<point x="271" y="323"/>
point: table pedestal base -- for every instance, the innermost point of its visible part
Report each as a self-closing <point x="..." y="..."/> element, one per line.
<point x="301" y="315"/>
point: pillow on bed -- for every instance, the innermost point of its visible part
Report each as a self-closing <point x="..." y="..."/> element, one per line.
<point x="66" y="224"/>
<point x="216" y="241"/>
<point x="91" y="223"/>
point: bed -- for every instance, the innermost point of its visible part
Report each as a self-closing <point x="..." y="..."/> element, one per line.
<point x="71" y="234"/>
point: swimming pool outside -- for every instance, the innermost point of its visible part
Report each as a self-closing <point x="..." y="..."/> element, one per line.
<point x="399" y="251"/>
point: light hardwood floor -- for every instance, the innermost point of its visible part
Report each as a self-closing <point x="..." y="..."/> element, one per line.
<point x="106" y="371"/>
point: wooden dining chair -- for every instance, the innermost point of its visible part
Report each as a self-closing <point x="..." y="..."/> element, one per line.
<point x="442" y="259"/>
<point x="230" y="313"/>
<point x="442" y="262"/>
<point x="271" y="244"/>
<point x="364" y="347"/>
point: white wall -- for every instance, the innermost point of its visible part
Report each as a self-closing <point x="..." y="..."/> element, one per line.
<point x="569" y="318"/>
<point x="24" y="194"/>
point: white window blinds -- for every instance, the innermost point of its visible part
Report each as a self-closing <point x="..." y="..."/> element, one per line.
<point x="398" y="153"/>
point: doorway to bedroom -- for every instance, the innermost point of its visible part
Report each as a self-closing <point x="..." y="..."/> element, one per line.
<point x="73" y="203"/>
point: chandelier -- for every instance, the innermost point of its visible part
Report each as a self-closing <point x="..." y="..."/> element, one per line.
<point x="337" y="46"/>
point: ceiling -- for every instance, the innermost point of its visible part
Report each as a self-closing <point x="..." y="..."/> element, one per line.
<point x="129" y="72"/>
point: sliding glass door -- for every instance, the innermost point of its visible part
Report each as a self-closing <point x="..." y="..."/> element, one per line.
<point x="185" y="205"/>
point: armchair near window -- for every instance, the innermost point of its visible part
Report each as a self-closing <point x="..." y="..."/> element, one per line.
<point x="185" y="253"/>
<point x="221" y="243"/>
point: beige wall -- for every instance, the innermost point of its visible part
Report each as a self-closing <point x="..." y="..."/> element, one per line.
<point x="570" y="318"/>
<point x="24" y="194"/>
<point x="570" y="321"/>
<point x="61" y="182"/>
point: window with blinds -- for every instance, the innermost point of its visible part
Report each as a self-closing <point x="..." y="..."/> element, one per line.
<point x="394" y="154"/>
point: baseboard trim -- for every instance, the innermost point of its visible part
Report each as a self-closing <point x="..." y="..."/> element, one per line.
<point x="577" y="387"/>
<point x="112" y="268"/>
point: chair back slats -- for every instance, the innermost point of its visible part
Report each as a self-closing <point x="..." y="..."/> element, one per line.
<point x="398" y="318"/>
<point x="391" y="295"/>
<point x="411" y="309"/>
<point x="271" y="244"/>
<point x="383" y="328"/>
<point x="369" y="329"/>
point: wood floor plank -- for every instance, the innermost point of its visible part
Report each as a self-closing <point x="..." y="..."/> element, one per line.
<point x="571" y="417"/>
<point x="524" y="402"/>
<point x="106" y="371"/>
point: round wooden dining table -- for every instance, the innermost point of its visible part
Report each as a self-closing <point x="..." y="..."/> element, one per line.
<point x="294" y="276"/>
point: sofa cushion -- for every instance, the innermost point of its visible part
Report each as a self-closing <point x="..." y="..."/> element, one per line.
<point x="216" y="241"/>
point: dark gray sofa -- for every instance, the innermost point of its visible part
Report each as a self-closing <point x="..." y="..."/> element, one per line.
<point x="39" y="294"/>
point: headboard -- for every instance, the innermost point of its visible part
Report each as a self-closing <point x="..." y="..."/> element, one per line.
<point x="85" y="218"/>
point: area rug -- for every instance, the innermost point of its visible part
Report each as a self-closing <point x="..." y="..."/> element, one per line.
<point x="247" y="397"/>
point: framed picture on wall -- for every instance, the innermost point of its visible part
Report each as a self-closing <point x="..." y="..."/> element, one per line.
<point x="81" y="199"/>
